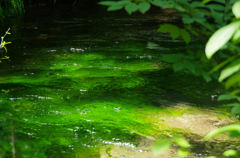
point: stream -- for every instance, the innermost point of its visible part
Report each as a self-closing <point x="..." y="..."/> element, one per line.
<point x="82" y="85"/>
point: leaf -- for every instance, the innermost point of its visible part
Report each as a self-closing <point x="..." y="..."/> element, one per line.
<point x="185" y="35"/>
<point x="206" y="1"/>
<point x="226" y="97"/>
<point x="233" y="81"/>
<point x="236" y="9"/>
<point x="163" y="3"/>
<point x="206" y="77"/>
<point x="229" y="153"/>
<point x="211" y="157"/>
<point x="5" y="48"/>
<point x="114" y="7"/>
<point x="182" y="142"/>
<point x="182" y="153"/>
<point x="236" y="109"/>
<point x="230" y="128"/>
<point x="161" y="146"/>
<point x="107" y="3"/>
<point x="236" y="36"/>
<point x="187" y="19"/>
<point x="216" y="7"/>
<point x="197" y="4"/>
<point x="178" y="66"/>
<point x="233" y="104"/>
<point x="221" y="65"/>
<point x="144" y="7"/>
<point x="170" y="28"/>
<point x="220" y="38"/>
<point x="131" y="7"/>
<point x="230" y="70"/>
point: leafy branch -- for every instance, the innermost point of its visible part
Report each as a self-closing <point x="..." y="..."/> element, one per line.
<point x="4" y="43"/>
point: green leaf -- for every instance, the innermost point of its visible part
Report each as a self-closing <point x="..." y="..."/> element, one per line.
<point x="163" y="3"/>
<point x="197" y="4"/>
<point x="114" y="7"/>
<point x="182" y="142"/>
<point x="236" y="109"/>
<point x="211" y="157"/>
<point x="220" y="38"/>
<point x="206" y="77"/>
<point x="182" y="153"/>
<point x="170" y="28"/>
<point x="107" y="3"/>
<point x="206" y="1"/>
<point x="144" y="7"/>
<point x="233" y="81"/>
<point x="221" y="65"/>
<point x="230" y="128"/>
<point x="131" y="8"/>
<point x="187" y="19"/>
<point x="236" y="36"/>
<point x="5" y="48"/>
<point x="178" y="66"/>
<point x="230" y="70"/>
<point x="232" y="153"/>
<point x="226" y="97"/>
<point x="216" y="7"/>
<point x="236" y="9"/>
<point x="185" y="35"/>
<point x="161" y="146"/>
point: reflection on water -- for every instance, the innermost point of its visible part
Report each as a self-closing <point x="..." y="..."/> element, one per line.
<point x="76" y="85"/>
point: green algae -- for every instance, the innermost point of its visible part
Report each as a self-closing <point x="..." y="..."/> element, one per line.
<point x="63" y="102"/>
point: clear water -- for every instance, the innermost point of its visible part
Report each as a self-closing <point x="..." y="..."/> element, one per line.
<point x="78" y="82"/>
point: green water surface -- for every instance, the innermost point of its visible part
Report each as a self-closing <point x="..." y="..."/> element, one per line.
<point x="77" y="83"/>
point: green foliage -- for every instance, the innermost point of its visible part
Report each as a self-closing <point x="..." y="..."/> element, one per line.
<point x="227" y="97"/>
<point x="175" y="32"/>
<point x="129" y="6"/>
<point x="231" y="69"/>
<point x="230" y="66"/>
<point x="233" y="130"/>
<point x="162" y="145"/>
<point x="4" y="43"/>
<point x="236" y="9"/>
<point x="220" y="38"/>
<point x="208" y="15"/>
<point x="230" y="153"/>
<point x="189" y="63"/>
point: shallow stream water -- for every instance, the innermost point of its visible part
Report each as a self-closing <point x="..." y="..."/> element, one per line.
<point x="77" y="84"/>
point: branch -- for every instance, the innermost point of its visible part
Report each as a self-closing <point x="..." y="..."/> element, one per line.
<point x="2" y="38"/>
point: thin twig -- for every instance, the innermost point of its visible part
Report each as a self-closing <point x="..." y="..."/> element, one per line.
<point x="2" y="38"/>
